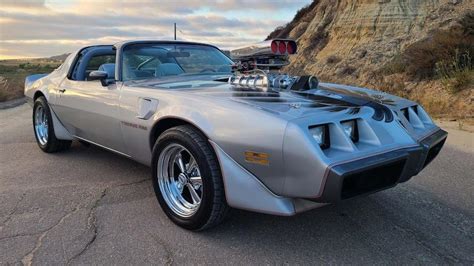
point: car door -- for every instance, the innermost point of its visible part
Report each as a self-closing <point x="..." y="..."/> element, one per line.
<point x="86" y="108"/>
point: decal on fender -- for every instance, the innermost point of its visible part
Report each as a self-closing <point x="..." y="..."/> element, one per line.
<point x="257" y="157"/>
<point x="128" y="124"/>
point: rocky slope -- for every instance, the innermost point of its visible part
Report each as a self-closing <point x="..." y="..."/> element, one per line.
<point x="399" y="46"/>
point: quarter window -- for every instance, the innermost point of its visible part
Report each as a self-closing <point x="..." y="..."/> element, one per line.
<point x="98" y="60"/>
<point x="86" y="62"/>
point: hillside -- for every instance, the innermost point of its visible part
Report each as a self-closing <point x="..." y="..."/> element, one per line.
<point x="60" y="57"/>
<point x="420" y="49"/>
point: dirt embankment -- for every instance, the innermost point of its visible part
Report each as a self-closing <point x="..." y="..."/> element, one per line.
<point x="419" y="49"/>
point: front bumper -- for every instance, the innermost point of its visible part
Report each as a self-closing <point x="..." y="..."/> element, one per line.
<point x="380" y="172"/>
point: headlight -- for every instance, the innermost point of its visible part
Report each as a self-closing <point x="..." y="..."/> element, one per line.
<point x="350" y="129"/>
<point x="321" y="135"/>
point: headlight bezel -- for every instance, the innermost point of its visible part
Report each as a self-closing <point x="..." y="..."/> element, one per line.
<point x="323" y="141"/>
<point x="354" y="133"/>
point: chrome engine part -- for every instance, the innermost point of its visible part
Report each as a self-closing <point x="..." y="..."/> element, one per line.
<point x="259" y="64"/>
<point x="251" y="81"/>
<point x="271" y="81"/>
<point x="266" y="55"/>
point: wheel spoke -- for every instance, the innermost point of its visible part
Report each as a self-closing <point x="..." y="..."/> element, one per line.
<point x="180" y="180"/>
<point x="180" y="163"/>
<point x="191" y="165"/>
<point x="194" y="195"/>
<point x="41" y="125"/>
<point x="196" y="181"/>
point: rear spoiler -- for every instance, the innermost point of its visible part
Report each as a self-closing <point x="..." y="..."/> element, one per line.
<point x="32" y="78"/>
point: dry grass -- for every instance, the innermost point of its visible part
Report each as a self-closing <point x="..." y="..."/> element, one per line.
<point x="333" y="59"/>
<point x="14" y="72"/>
<point x="457" y="73"/>
<point x="396" y="65"/>
<point x="438" y="71"/>
<point x="346" y="70"/>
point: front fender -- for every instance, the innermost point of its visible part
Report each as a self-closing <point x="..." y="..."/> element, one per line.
<point x="240" y="131"/>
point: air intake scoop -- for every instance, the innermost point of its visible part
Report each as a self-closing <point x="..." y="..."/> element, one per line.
<point x="267" y="55"/>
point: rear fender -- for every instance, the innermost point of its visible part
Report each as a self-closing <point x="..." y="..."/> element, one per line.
<point x="34" y="84"/>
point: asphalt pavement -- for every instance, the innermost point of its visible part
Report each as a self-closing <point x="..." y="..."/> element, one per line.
<point x="90" y="206"/>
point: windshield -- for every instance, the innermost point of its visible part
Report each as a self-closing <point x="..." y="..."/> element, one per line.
<point x="144" y="61"/>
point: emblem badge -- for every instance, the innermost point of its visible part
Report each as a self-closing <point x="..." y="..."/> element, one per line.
<point x="257" y="157"/>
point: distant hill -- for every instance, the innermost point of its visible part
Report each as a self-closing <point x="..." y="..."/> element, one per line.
<point x="420" y="49"/>
<point x="61" y="57"/>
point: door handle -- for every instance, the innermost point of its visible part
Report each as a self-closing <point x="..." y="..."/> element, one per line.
<point x="62" y="90"/>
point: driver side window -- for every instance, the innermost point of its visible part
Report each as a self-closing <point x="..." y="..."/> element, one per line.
<point x="90" y="59"/>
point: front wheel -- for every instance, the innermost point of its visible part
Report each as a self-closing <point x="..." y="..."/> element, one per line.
<point x="187" y="179"/>
<point x="44" y="129"/>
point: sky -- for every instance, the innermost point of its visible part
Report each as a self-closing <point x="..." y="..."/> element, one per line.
<point x="43" y="28"/>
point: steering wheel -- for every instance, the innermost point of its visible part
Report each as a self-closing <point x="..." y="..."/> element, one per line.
<point x="207" y="70"/>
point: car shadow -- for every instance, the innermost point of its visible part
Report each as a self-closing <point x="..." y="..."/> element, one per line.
<point x="376" y="229"/>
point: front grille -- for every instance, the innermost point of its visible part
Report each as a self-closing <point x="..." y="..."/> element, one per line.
<point x="433" y="152"/>
<point x="372" y="180"/>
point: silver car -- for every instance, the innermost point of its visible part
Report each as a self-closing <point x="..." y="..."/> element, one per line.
<point x="220" y="132"/>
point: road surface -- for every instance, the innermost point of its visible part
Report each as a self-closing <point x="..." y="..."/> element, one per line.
<point x="89" y="206"/>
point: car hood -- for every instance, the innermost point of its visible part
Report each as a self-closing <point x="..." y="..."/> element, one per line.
<point x="327" y="97"/>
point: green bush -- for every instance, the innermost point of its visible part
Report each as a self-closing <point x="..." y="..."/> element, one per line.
<point x="457" y="73"/>
<point x="437" y="54"/>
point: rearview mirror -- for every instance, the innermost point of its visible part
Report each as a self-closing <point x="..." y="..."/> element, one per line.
<point x="99" y="75"/>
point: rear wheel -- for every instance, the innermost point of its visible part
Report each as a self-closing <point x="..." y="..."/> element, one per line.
<point x="44" y="129"/>
<point x="187" y="179"/>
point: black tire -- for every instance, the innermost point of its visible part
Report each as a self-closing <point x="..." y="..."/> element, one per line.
<point x="52" y="144"/>
<point x="213" y="207"/>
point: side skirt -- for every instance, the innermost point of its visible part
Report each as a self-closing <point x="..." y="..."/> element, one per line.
<point x="103" y="147"/>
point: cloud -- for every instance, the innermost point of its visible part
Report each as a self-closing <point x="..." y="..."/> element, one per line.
<point x="44" y="28"/>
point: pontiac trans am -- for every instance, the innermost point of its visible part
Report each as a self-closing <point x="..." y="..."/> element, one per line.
<point x="224" y="132"/>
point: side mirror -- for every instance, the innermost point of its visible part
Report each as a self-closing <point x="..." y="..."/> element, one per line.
<point x="99" y="75"/>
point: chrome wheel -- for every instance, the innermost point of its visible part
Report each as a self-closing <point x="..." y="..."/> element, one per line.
<point x="41" y="125"/>
<point x="179" y="179"/>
